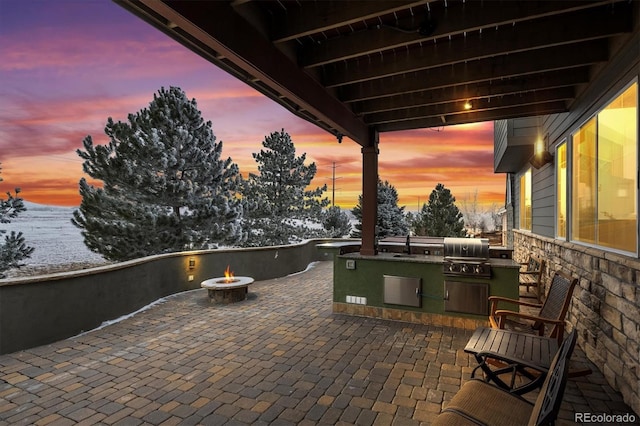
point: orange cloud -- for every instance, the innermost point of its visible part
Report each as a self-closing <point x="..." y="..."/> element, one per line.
<point x="62" y="81"/>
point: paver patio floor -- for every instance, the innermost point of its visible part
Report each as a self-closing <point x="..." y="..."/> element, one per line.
<point x="281" y="357"/>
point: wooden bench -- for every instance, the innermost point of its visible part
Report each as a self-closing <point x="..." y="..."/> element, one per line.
<point x="531" y="275"/>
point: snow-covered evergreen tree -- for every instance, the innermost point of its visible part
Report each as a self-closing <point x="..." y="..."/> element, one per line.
<point x="391" y="220"/>
<point x="164" y="188"/>
<point x="13" y="248"/>
<point x="336" y="222"/>
<point x="279" y="205"/>
<point x="440" y="217"/>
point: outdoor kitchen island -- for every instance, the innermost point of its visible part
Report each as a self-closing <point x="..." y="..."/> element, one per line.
<point x="399" y="283"/>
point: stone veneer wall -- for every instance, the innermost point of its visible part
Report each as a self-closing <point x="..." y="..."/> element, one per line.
<point x="605" y="308"/>
<point x="425" y="318"/>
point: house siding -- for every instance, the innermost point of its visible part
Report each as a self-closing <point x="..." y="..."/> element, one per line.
<point x="542" y="200"/>
<point x="499" y="140"/>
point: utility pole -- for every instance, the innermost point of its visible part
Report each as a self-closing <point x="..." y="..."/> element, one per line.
<point x="333" y="184"/>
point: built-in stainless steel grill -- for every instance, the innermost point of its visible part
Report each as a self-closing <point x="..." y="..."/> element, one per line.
<point x="466" y="257"/>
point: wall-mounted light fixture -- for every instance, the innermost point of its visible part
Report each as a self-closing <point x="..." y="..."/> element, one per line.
<point x="192" y="262"/>
<point x="541" y="155"/>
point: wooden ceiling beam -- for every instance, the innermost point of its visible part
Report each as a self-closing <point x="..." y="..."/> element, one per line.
<point x="321" y="16"/>
<point x="478" y="105"/>
<point x="552" y="80"/>
<point x="453" y="20"/>
<point x="259" y="58"/>
<point x="580" y="26"/>
<point x="476" y="117"/>
<point x="506" y="66"/>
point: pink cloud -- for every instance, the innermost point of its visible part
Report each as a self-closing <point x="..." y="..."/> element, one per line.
<point x="61" y="83"/>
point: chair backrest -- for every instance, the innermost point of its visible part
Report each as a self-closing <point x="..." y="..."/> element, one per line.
<point x="557" y="302"/>
<point x="534" y="264"/>
<point x="545" y="411"/>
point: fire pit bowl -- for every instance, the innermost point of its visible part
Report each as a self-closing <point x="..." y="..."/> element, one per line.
<point x="227" y="290"/>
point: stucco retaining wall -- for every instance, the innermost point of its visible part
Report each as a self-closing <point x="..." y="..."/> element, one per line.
<point x="605" y="308"/>
<point x="38" y="310"/>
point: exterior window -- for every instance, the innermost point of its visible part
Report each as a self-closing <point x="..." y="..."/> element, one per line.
<point x="561" y="194"/>
<point x="584" y="183"/>
<point x="525" y="200"/>
<point x="617" y="151"/>
<point x="604" y="176"/>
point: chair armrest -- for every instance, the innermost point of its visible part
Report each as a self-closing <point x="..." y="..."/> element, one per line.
<point x="510" y="361"/>
<point x="504" y="312"/>
<point x="529" y="272"/>
<point x="502" y="299"/>
<point x="494" y="300"/>
<point x="498" y="317"/>
<point x="518" y="302"/>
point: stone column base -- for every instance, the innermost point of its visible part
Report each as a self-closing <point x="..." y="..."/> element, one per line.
<point x="424" y="318"/>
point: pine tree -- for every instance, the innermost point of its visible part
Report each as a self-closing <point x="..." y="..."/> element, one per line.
<point x="278" y="205"/>
<point x="164" y="186"/>
<point x="336" y="222"/>
<point x="391" y="220"/>
<point x="13" y="249"/>
<point x="440" y="217"/>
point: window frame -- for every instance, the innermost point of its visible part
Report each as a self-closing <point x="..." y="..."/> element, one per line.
<point x="567" y="190"/>
<point x="522" y="200"/>
<point x="571" y="176"/>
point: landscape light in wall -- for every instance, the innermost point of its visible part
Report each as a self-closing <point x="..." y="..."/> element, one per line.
<point x="541" y="155"/>
<point x="467" y="105"/>
<point x="192" y="262"/>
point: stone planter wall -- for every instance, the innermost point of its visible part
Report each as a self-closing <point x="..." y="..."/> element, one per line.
<point x="605" y="308"/>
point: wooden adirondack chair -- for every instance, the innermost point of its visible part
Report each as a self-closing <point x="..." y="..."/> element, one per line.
<point x="531" y="275"/>
<point x="551" y="314"/>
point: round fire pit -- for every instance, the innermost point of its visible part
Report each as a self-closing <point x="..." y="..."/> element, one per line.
<point x="227" y="290"/>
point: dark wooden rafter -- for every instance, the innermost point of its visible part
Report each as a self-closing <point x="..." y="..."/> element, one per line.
<point x="482" y="70"/>
<point x="531" y="99"/>
<point x="456" y="19"/>
<point x="489" y="89"/>
<point x="322" y="16"/>
<point x="584" y="25"/>
<point x="353" y="66"/>
<point x="473" y="117"/>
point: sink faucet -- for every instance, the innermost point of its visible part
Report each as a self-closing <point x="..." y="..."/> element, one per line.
<point x="408" y="245"/>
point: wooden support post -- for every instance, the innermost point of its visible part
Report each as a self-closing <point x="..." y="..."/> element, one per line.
<point x="369" y="194"/>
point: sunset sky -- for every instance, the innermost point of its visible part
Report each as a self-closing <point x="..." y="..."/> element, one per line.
<point x="67" y="65"/>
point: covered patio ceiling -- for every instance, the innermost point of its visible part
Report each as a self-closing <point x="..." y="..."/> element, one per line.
<point x="355" y="66"/>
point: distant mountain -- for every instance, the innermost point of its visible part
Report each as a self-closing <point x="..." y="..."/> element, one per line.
<point x="31" y="206"/>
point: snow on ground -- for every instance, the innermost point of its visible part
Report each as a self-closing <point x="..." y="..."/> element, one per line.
<point x="57" y="242"/>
